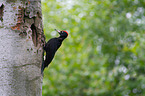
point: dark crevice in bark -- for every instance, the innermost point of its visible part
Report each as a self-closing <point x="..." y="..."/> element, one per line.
<point x="1" y="12"/>
<point x="24" y="18"/>
<point x="34" y="79"/>
<point x="34" y="34"/>
<point x="20" y="66"/>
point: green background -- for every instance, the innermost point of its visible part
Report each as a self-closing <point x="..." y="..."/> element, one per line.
<point x="104" y="54"/>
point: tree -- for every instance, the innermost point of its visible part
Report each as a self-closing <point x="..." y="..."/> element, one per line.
<point x="21" y="39"/>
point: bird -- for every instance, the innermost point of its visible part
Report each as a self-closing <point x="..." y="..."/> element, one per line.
<point x="51" y="47"/>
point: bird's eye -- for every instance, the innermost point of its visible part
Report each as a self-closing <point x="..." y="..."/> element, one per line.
<point x="61" y="31"/>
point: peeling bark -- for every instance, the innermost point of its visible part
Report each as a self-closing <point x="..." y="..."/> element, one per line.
<point x="22" y="40"/>
<point x="28" y="21"/>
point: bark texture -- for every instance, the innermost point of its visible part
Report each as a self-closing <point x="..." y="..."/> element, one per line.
<point x="21" y="41"/>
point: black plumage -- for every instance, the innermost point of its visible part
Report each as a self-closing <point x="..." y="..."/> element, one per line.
<point x="51" y="47"/>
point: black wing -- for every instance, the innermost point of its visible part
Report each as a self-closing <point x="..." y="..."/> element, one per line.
<point x="51" y="47"/>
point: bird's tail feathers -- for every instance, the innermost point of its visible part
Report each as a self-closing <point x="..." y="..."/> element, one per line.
<point x="42" y="67"/>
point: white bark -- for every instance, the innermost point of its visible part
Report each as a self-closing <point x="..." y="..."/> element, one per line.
<point x="20" y="56"/>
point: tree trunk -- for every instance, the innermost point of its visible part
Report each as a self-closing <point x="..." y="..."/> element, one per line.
<point x="21" y="52"/>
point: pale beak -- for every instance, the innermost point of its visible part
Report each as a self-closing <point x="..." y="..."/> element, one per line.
<point x="57" y="30"/>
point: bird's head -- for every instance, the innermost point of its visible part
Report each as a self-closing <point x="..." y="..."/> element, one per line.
<point x="62" y="33"/>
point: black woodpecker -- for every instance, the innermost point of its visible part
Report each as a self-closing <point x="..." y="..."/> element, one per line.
<point x="51" y="47"/>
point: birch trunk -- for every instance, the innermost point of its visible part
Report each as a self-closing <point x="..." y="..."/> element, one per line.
<point x="21" y="41"/>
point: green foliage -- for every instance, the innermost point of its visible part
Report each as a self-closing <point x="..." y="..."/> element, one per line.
<point x="104" y="52"/>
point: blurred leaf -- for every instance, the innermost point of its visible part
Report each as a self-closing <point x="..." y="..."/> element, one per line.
<point x="104" y="52"/>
